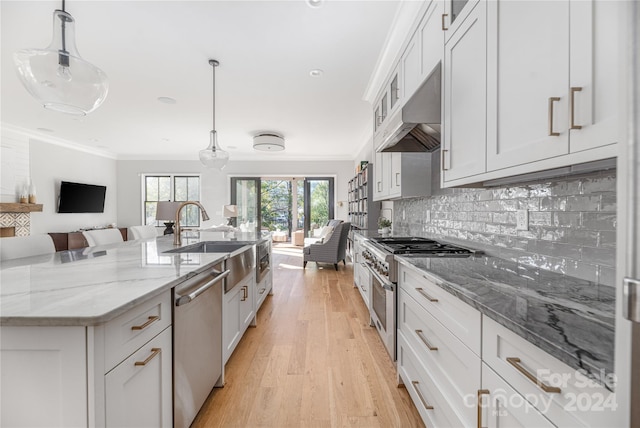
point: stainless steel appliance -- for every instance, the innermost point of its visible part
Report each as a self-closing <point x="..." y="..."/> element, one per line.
<point x="378" y="254"/>
<point x="197" y="333"/>
<point x="263" y="260"/>
<point x="197" y="342"/>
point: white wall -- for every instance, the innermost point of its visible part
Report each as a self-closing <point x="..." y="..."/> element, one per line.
<point x="216" y="184"/>
<point x="52" y="163"/>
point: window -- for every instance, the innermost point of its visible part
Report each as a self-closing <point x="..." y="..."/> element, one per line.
<point x="168" y="187"/>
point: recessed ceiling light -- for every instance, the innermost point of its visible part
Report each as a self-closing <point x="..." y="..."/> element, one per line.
<point x="167" y="100"/>
<point x="165" y="140"/>
<point x="45" y="129"/>
<point x="315" y="3"/>
<point x="316" y="73"/>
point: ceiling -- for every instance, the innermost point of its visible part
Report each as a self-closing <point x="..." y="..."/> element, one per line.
<point x="151" y="49"/>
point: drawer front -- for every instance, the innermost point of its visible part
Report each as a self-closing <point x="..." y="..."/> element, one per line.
<point x="578" y="402"/>
<point x="129" y="331"/>
<point x="364" y="286"/>
<point x="425" y="393"/>
<point x="460" y="318"/>
<point x="454" y="366"/>
<point x="502" y="406"/>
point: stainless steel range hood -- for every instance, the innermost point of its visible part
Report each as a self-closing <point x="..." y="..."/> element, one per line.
<point x="416" y="128"/>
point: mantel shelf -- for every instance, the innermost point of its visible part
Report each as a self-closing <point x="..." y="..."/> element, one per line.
<point x="15" y="207"/>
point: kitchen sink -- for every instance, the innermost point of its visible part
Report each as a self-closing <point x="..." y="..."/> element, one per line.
<point x="211" y="247"/>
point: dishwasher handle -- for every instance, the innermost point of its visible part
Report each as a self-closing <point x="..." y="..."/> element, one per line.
<point x="187" y="298"/>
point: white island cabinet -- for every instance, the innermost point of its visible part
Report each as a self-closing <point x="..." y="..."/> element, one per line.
<point x="113" y="374"/>
<point x="239" y="311"/>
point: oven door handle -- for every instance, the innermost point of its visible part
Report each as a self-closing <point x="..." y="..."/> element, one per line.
<point x="384" y="283"/>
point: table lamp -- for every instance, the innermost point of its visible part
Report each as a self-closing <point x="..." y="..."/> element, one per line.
<point x="166" y="213"/>
<point x="230" y="212"/>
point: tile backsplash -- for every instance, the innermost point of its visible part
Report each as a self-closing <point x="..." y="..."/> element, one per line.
<point x="572" y="222"/>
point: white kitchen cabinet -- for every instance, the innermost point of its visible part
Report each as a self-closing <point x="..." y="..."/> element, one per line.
<point x="593" y="56"/>
<point x="564" y="395"/>
<point x="431" y="38"/>
<point x="263" y="289"/>
<point x="44" y="376"/>
<point x="402" y="175"/>
<point x="411" y="66"/>
<point x="502" y="406"/>
<point x="381" y="175"/>
<point x="433" y="406"/>
<point x="361" y="275"/>
<point x="464" y="143"/>
<point x="139" y="390"/>
<point x="528" y="69"/>
<point x="74" y="376"/>
<point x="552" y="82"/>
<point x="238" y="313"/>
<point x="448" y="361"/>
<point x="455" y="12"/>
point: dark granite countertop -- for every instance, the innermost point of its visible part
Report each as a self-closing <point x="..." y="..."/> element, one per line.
<point x="570" y="318"/>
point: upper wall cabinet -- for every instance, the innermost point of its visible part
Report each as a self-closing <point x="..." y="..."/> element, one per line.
<point x="389" y="101"/>
<point x="465" y="98"/>
<point x="554" y="91"/>
<point x="453" y="14"/>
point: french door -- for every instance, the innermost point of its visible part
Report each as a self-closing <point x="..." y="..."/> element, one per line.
<point x="312" y="199"/>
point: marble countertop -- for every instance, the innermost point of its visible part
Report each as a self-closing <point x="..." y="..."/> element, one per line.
<point x="569" y="318"/>
<point x="93" y="285"/>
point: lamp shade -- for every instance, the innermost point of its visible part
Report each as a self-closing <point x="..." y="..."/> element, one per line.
<point x="57" y="76"/>
<point x="166" y="210"/>
<point x="230" y="211"/>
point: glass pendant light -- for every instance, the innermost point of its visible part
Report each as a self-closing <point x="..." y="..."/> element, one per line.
<point x="57" y="76"/>
<point x="213" y="156"/>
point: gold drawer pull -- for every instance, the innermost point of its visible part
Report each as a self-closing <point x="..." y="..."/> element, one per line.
<point x="572" y="107"/>
<point x="444" y="28"/>
<point x="515" y="362"/>
<point x="262" y="290"/>
<point x="154" y="352"/>
<point x="481" y="392"/>
<point x="443" y="151"/>
<point x="424" y="402"/>
<point x="429" y="298"/>
<point x="425" y="341"/>
<point x="551" y="101"/>
<point x="145" y="325"/>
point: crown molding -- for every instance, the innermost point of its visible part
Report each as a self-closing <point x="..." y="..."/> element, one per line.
<point x="403" y="22"/>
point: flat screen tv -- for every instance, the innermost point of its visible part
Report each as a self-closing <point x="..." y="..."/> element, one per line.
<point x="81" y="198"/>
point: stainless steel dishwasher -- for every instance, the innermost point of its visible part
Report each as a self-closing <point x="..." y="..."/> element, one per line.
<point x="197" y="342"/>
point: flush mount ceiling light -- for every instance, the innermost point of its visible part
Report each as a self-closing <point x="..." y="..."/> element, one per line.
<point x="268" y="142"/>
<point x="316" y="72"/>
<point x="57" y="76"/>
<point x="213" y="156"/>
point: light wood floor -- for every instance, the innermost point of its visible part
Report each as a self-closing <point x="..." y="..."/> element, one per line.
<point x="312" y="361"/>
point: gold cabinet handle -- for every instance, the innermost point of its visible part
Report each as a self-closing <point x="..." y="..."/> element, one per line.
<point x="443" y="151"/>
<point x="443" y="17"/>
<point x="262" y="290"/>
<point x="244" y="293"/>
<point x="397" y="179"/>
<point x="551" y="101"/>
<point x="481" y="392"/>
<point x="424" y="402"/>
<point x="425" y="341"/>
<point x="154" y="352"/>
<point x="572" y="107"/>
<point x="429" y="298"/>
<point x="145" y="325"/>
<point x="515" y="362"/>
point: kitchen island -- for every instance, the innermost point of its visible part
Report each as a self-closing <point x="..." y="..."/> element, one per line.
<point x="80" y="327"/>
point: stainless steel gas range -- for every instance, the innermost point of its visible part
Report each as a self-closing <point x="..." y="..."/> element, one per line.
<point x="379" y="256"/>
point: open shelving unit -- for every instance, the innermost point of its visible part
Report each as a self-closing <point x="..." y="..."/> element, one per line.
<point x="363" y="210"/>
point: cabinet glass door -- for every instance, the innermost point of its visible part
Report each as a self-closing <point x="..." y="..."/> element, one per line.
<point x="456" y="8"/>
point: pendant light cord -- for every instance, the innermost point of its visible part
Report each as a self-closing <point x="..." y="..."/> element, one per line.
<point x="214" y="95"/>
<point x="64" y="60"/>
